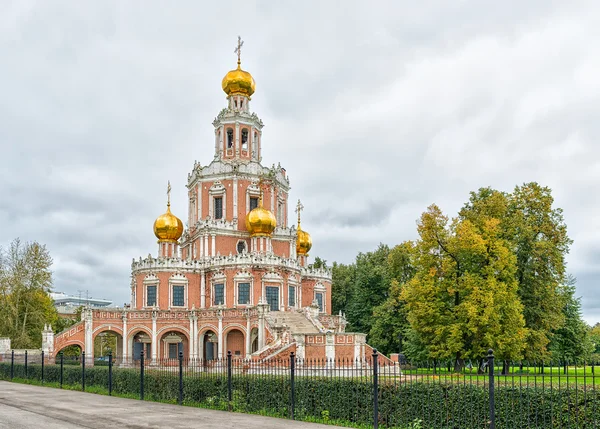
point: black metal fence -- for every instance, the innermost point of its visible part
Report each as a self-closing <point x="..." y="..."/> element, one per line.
<point x="371" y="392"/>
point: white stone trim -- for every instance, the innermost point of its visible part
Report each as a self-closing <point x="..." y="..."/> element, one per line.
<point x="150" y="280"/>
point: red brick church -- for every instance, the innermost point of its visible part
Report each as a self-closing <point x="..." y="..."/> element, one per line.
<point x="238" y="278"/>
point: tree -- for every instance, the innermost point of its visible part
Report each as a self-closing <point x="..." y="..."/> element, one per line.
<point x="389" y="318"/>
<point x="463" y="298"/>
<point x="369" y="288"/>
<point x="25" y="281"/>
<point x="342" y="280"/>
<point x="572" y="341"/>
<point x="537" y="235"/>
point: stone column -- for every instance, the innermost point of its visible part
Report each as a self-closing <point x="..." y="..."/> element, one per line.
<point x="220" y="334"/>
<point x="213" y="250"/>
<point x="192" y="342"/>
<point x="330" y="349"/>
<point x="154" y="345"/>
<point x="248" y="335"/>
<point x="235" y="198"/>
<point x="202" y="289"/>
<point x="125" y="338"/>
<point x="89" y="339"/>
<point x="262" y="309"/>
<point x="206" y="246"/>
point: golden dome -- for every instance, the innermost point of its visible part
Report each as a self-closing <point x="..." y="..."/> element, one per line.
<point x="238" y="81"/>
<point x="260" y="221"/>
<point x="303" y="242"/>
<point x="168" y="227"/>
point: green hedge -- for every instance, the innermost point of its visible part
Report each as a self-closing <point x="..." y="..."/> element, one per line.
<point x="350" y="401"/>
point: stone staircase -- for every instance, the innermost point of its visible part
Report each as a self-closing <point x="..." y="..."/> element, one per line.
<point x="296" y="323"/>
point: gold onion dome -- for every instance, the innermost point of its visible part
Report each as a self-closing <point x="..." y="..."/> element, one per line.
<point x="303" y="242"/>
<point x="168" y="227"/>
<point x="238" y="81"/>
<point x="260" y="222"/>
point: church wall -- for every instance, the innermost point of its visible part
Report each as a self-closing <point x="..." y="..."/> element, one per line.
<point x="281" y="248"/>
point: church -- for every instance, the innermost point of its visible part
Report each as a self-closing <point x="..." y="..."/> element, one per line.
<point x="238" y="278"/>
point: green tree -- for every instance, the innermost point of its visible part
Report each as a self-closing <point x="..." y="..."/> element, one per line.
<point x="342" y="281"/>
<point x="25" y="281"/>
<point x="463" y="298"/>
<point x="537" y="234"/>
<point x="389" y="318"/>
<point x="572" y="341"/>
<point x="369" y="288"/>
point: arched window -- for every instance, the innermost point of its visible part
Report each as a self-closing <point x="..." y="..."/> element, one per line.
<point x="244" y="139"/>
<point x="229" y="138"/>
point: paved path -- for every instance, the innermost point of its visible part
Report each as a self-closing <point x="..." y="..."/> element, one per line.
<point x="24" y="406"/>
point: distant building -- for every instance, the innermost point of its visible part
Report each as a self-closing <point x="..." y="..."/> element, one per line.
<point x="67" y="305"/>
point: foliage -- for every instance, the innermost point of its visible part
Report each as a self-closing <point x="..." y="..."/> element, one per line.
<point x="25" y="281"/>
<point x="572" y="341"/>
<point x="463" y="298"/>
<point x="537" y="235"/>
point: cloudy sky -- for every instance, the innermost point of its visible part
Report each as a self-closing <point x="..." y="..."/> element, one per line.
<point x="375" y="111"/>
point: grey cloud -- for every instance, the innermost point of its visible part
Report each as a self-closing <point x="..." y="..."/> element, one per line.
<point x="375" y="110"/>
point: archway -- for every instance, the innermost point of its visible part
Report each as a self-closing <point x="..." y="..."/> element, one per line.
<point x="105" y="342"/>
<point x="171" y="344"/>
<point x="71" y="354"/>
<point x="140" y="341"/>
<point x="209" y="341"/>
<point x="235" y="343"/>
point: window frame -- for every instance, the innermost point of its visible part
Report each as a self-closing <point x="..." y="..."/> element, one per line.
<point x="214" y="294"/>
<point x="146" y="295"/>
<point x="238" y="285"/>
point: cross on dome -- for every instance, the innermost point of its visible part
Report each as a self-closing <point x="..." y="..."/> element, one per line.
<point x="168" y="193"/>
<point x="238" y="50"/>
<point x="299" y="208"/>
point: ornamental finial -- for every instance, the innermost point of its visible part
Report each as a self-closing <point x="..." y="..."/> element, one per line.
<point x="168" y="193"/>
<point x="238" y="50"/>
<point x="299" y="208"/>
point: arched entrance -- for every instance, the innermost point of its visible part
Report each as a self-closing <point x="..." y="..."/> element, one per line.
<point x="141" y="341"/>
<point x="235" y="343"/>
<point x="105" y="342"/>
<point x="210" y="345"/>
<point x="171" y="344"/>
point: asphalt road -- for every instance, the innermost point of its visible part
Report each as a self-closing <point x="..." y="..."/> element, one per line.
<point x="24" y="406"/>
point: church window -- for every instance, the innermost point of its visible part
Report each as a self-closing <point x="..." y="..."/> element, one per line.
<point x="219" y="297"/>
<point x="218" y="207"/>
<point x="235" y="103"/>
<point x="319" y="297"/>
<point x="292" y="296"/>
<point x="178" y="296"/>
<point x="150" y="296"/>
<point x="245" y="139"/>
<point x="244" y="293"/>
<point x="241" y="246"/>
<point x="229" y="138"/>
<point x="272" y="295"/>
<point x="253" y="203"/>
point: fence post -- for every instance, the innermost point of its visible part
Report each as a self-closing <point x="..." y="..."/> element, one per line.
<point x="490" y="359"/>
<point x="293" y="383"/>
<point x="42" y="367"/>
<point x="110" y="363"/>
<point x="142" y="375"/>
<point x="83" y="371"/>
<point x="229" y="392"/>
<point x="61" y="368"/>
<point x="26" y="377"/>
<point x="180" y="399"/>
<point x="12" y="364"/>
<point x="375" y="391"/>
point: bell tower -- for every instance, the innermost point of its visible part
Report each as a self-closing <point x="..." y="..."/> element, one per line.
<point x="237" y="131"/>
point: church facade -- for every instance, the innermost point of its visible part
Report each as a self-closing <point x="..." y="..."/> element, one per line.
<point x="237" y="279"/>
